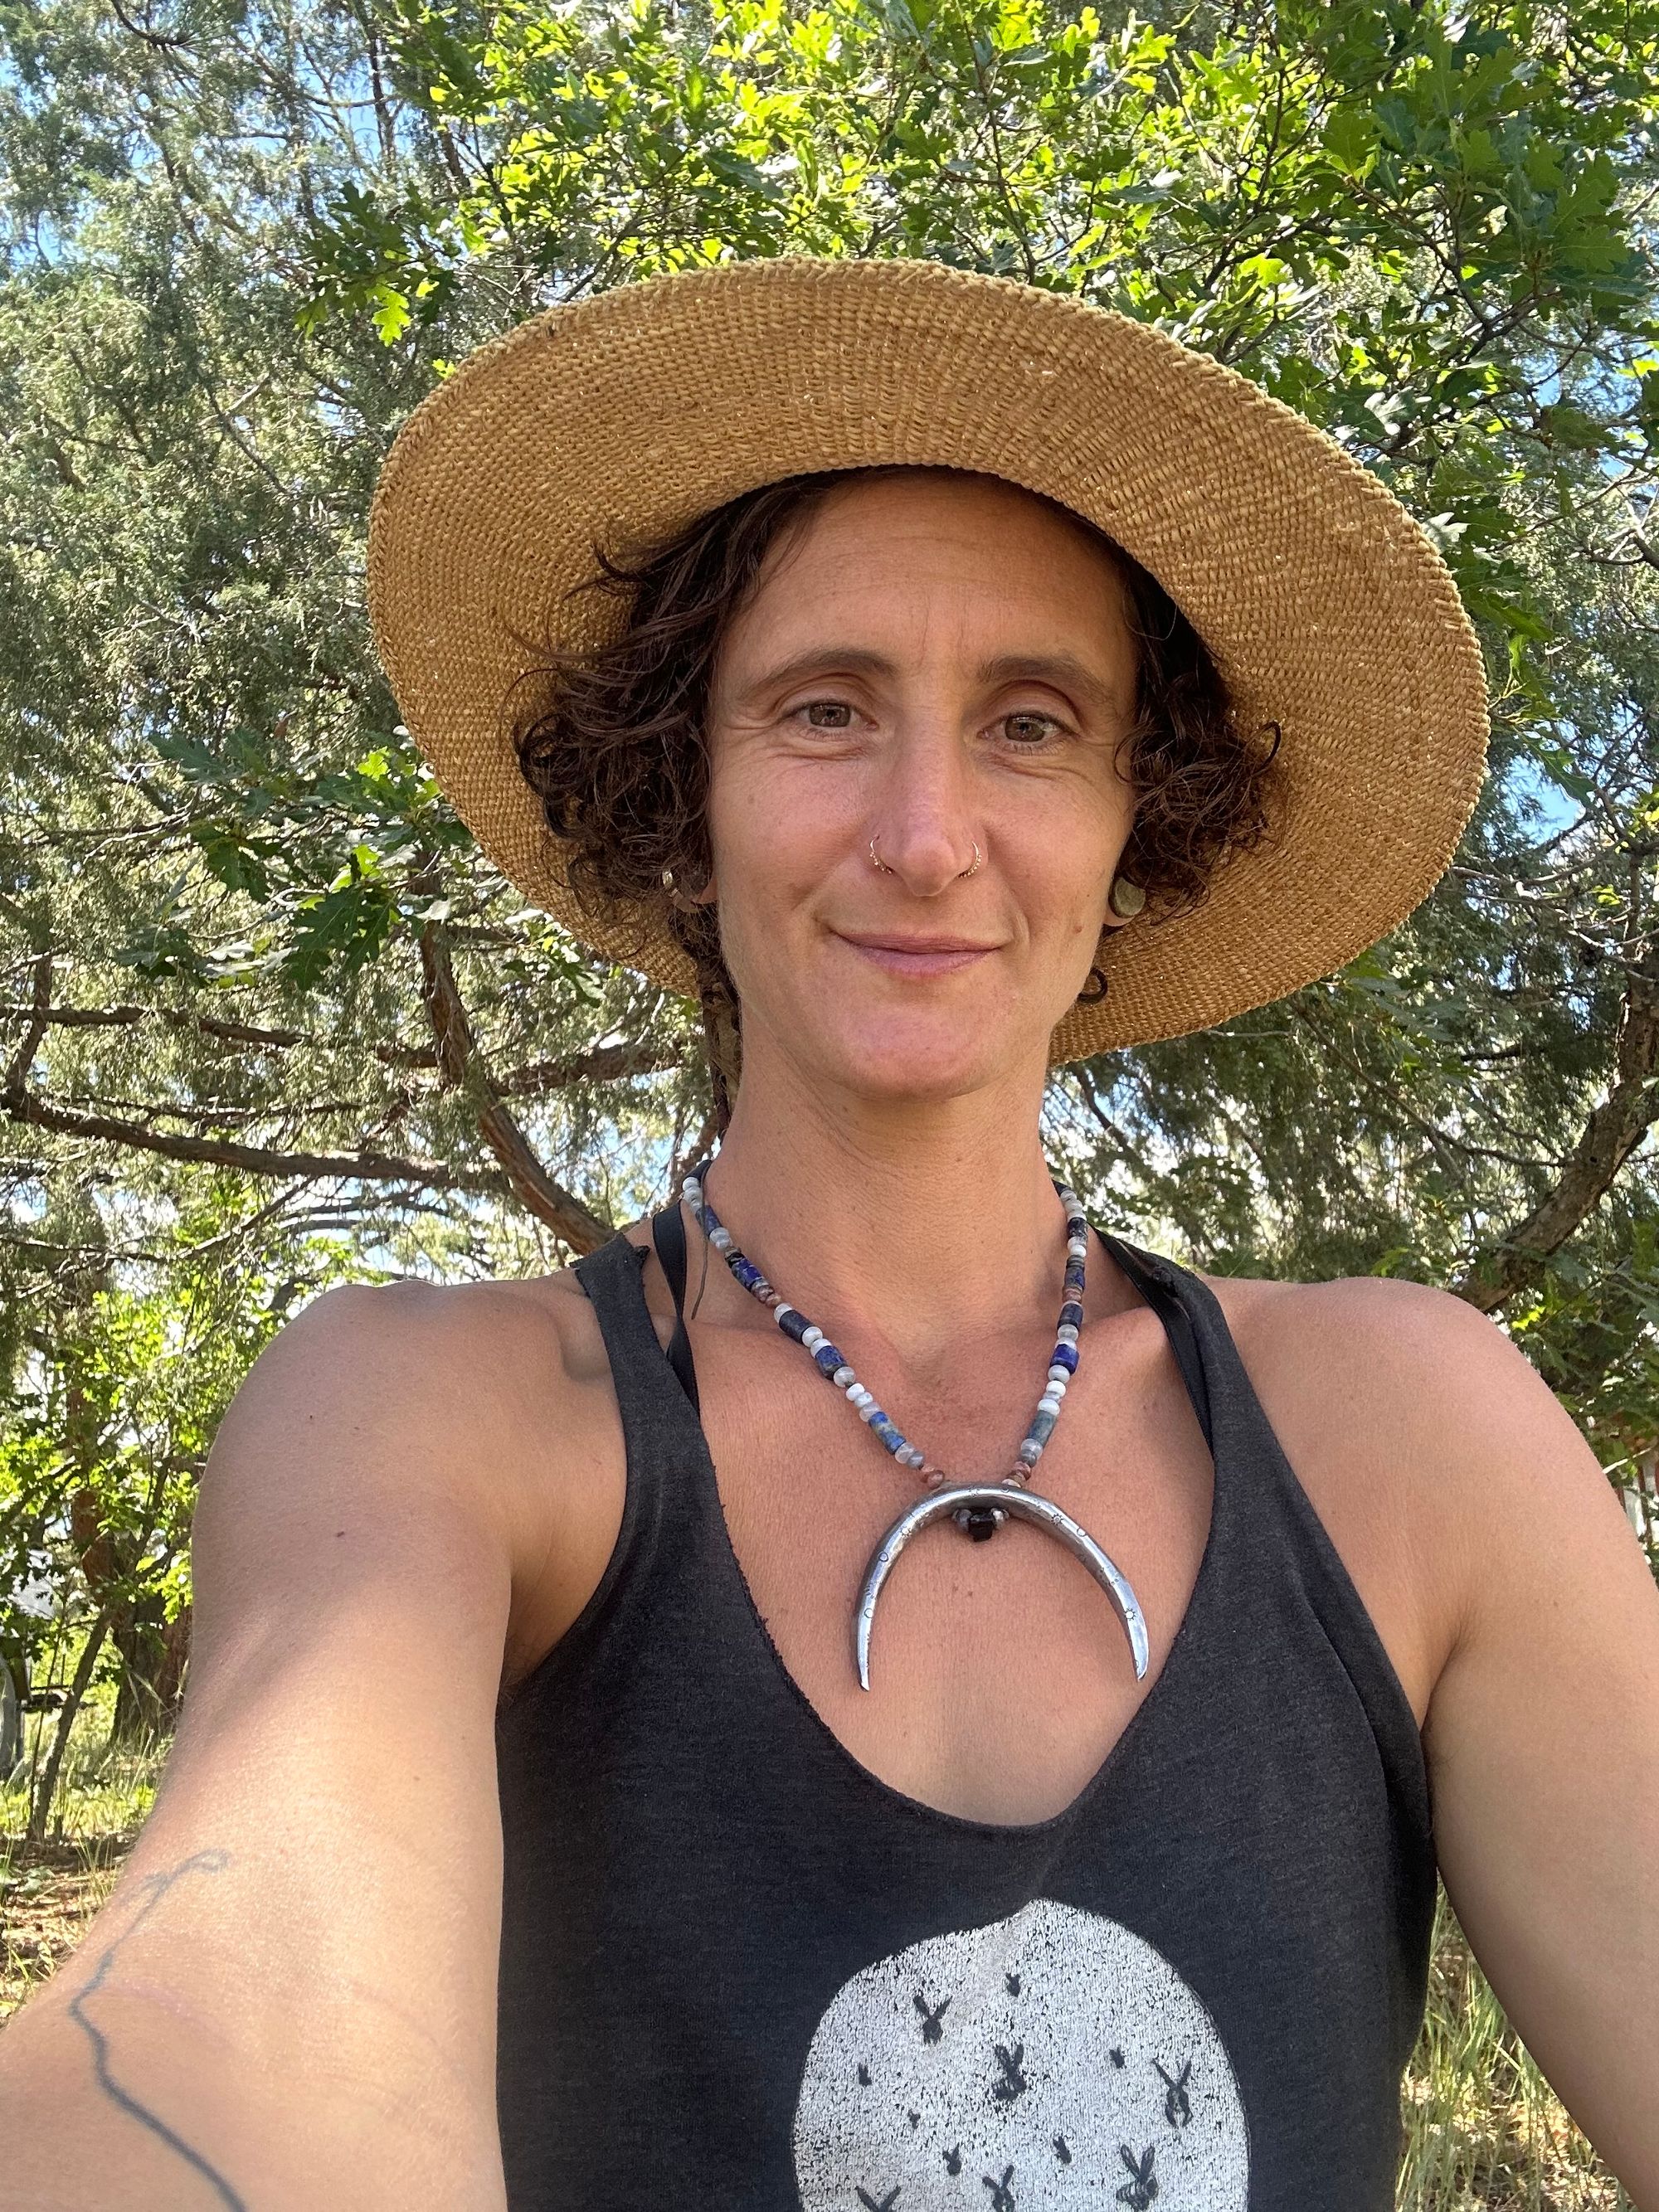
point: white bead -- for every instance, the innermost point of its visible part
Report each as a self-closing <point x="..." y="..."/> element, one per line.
<point x="1059" y="1376"/>
<point x="1066" y="1332"/>
<point x="1048" y="1405"/>
<point x="842" y="1378"/>
<point x="858" y="1394"/>
<point x="721" y="1239"/>
<point x="869" y="1409"/>
<point x="811" y="1338"/>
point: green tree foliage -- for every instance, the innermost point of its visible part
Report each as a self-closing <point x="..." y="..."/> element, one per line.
<point x="265" y="1013"/>
<point x="116" y="1395"/>
<point x="1427" y="227"/>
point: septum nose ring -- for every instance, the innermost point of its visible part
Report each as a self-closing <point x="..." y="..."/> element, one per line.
<point x="877" y="861"/>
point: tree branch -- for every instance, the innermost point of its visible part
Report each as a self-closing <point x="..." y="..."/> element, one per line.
<point x="17" y="1074"/>
<point x="604" y="1063"/>
<point x="79" y="1018"/>
<point x="1611" y="1134"/>
<point x="463" y="1069"/>
<point x="252" y="1159"/>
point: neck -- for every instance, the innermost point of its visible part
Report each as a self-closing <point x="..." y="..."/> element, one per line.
<point x="922" y="1222"/>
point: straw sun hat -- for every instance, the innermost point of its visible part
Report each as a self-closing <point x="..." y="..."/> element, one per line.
<point x="627" y="415"/>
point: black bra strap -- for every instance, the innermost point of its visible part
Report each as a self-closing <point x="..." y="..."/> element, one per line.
<point x="668" y="1235"/>
<point x="1160" y="1294"/>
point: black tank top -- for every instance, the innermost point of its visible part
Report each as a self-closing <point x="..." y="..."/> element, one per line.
<point x="738" y="1971"/>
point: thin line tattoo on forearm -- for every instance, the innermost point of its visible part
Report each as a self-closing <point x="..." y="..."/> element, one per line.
<point x="209" y="1861"/>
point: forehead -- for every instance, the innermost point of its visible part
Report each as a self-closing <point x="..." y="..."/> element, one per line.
<point x="906" y="544"/>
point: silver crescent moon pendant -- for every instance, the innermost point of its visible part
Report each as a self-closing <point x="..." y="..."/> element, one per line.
<point x="1023" y="1505"/>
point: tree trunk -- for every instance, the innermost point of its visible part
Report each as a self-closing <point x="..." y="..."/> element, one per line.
<point x="46" y="1786"/>
<point x="137" y="1714"/>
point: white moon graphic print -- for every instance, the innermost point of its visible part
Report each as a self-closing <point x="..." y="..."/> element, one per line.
<point x="1051" y="2060"/>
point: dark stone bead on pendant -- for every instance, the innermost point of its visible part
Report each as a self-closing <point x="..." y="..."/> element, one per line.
<point x="979" y="1522"/>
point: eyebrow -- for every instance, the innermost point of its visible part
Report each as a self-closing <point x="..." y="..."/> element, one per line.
<point x="1062" y="670"/>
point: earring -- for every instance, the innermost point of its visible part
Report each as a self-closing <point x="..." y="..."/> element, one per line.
<point x="874" y="861"/>
<point x="1125" y="899"/>
<point x="677" y="898"/>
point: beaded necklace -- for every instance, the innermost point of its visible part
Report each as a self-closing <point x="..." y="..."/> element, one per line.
<point x="979" y="1509"/>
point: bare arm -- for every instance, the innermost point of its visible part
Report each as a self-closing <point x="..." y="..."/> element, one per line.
<point x="1543" y="1743"/>
<point x="1523" y="1622"/>
<point x="290" y="1999"/>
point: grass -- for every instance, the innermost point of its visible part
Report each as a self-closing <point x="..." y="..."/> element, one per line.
<point x="49" y="1891"/>
<point x="1482" y="2132"/>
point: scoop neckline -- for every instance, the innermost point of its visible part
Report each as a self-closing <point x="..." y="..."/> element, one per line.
<point x="902" y="1800"/>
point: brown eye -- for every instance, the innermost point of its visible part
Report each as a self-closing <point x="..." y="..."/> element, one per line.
<point x="814" y="707"/>
<point x="1030" y="729"/>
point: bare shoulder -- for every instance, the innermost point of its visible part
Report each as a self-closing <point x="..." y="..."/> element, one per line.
<point x="1367" y="1351"/>
<point x="479" y="1359"/>
<point x="1427" y="1442"/>
<point x="488" y="1401"/>
<point x="1371" y="1328"/>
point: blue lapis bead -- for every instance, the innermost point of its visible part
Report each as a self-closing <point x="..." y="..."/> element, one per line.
<point x="830" y="1361"/>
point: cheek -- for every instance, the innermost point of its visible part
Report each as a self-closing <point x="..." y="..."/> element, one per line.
<point x="777" y="827"/>
<point x="1064" y="864"/>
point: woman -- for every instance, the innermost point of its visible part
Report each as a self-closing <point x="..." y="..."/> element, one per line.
<point x="974" y="682"/>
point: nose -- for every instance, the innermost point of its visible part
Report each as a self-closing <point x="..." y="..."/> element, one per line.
<point x="923" y="825"/>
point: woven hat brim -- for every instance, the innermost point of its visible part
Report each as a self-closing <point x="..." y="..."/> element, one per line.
<point x="1328" y="608"/>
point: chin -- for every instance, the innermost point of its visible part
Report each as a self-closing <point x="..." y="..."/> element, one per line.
<point x="877" y="1056"/>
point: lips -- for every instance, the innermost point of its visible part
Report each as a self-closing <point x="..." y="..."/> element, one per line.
<point x="918" y="956"/>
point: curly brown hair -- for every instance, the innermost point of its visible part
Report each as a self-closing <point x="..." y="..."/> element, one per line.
<point x="612" y="740"/>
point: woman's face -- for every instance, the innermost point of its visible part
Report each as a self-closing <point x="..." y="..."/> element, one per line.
<point x="929" y="661"/>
